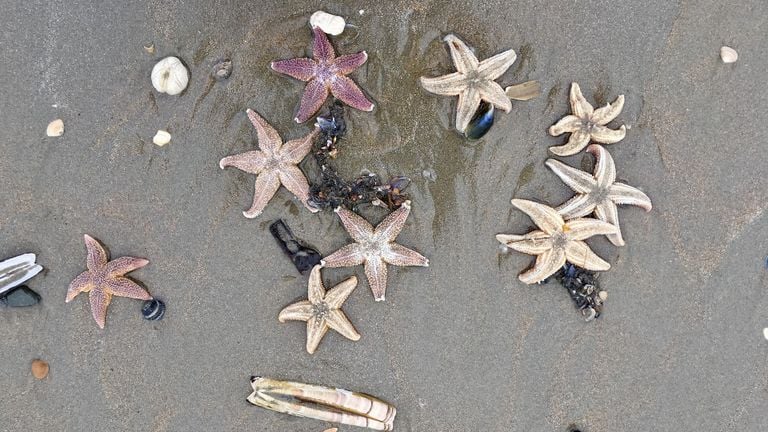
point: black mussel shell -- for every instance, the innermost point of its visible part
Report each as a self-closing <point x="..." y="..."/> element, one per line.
<point x="302" y="256"/>
<point x="21" y="296"/>
<point x="481" y="122"/>
<point x="153" y="310"/>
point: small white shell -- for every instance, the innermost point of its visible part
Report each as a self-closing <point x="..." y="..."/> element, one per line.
<point x="55" y="128"/>
<point x="765" y="332"/>
<point x="330" y="24"/>
<point x="170" y="76"/>
<point x="161" y="138"/>
<point x="728" y="54"/>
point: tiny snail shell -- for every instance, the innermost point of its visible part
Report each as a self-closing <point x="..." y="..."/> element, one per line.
<point x="153" y="310"/>
<point x="170" y="76"/>
<point x="329" y="24"/>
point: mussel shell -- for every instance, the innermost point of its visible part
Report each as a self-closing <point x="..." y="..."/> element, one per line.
<point x="153" y="310"/>
<point x="481" y="122"/>
<point x="21" y="296"/>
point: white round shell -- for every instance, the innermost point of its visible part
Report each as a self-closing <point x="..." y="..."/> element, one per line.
<point x="55" y="128"/>
<point x="728" y="54"/>
<point x="330" y="24"/>
<point x="161" y="138"/>
<point x="170" y="76"/>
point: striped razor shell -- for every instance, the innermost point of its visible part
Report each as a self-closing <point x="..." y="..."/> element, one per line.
<point x="17" y="270"/>
<point x="322" y="403"/>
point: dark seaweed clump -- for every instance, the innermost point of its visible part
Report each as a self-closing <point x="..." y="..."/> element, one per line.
<point x="583" y="288"/>
<point x="330" y="190"/>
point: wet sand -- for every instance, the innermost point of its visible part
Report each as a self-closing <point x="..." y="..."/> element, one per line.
<point x="459" y="346"/>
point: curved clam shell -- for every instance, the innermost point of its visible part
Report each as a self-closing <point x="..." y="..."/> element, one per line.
<point x="17" y="270"/>
<point x="322" y="403"/>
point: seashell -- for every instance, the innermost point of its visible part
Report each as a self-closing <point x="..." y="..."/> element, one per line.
<point x="481" y="122"/>
<point x="222" y="69"/>
<point x="161" y="138"/>
<point x="170" y="76"/>
<point x="728" y="54"/>
<point x="39" y="369"/>
<point x="329" y="24"/>
<point x="153" y="310"/>
<point x="304" y="258"/>
<point x="150" y="48"/>
<point x="765" y="332"/>
<point x="21" y="296"/>
<point x="322" y="403"/>
<point x="524" y="91"/>
<point x="55" y="128"/>
<point x="17" y="270"/>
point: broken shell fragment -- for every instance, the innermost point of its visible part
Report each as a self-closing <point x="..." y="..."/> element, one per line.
<point x="170" y="76"/>
<point x="17" y="270"/>
<point x="55" y="128"/>
<point x="524" y="91"/>
<point x="728" y="54"/>
<point x="161" y="138"/>
<point x="222" y="69"/>
<point x="322" y="403"/>
<point x="150" y="48"/>
<point x="329" y="24"/>
<point x="39" y="369"/>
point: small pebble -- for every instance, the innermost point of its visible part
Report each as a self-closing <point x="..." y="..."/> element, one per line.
<point x="330" y="24"/>
<point x="39" y="369"/>
<point x="161" y="138"/>
<point x="153" y="310"/>
<point x="728" y="54"/>
<point x="55" y="128"/>
<point x="222" y="69"/>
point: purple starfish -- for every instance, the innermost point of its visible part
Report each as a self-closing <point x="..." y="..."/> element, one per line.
<point x="325" y="73"/>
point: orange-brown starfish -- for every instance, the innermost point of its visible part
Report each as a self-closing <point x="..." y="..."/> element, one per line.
<point x="104" y="278"/>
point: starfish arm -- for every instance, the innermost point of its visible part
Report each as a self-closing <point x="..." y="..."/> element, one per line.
<point x="123" y="265"/>
<point x="577" y="180"/>
<point x="462" y="56"/>
<point x="469" y="101"/>
<point x="99" y="302"/>
<point x="357" y="227"/>
<point x="294" y="151"/>
<point x="314" y="95"/>
<point x="315" y="288"/>
<point x="578" y="206"/>
<point x="545" y="217"/>
<point x="337" y="295"/>
<point x="251" y="162"/>
<point x="494" y="67"/>
<point x="604" y="115"/>
<point x="608" y="212"/>
<point x="620" y="193"/>
<point x="584" y="228"/>
<point x="316" y="329"/>
<point x="605" y="169"/>
<point x="492" y="92"/>
<point x="339" y="322"/>
<point x="546" y="265"/>
<point x="391" y="226"/>
<point x="446" y="85"/>
<point x="269" y="140"/>
<point x="400" y="255"/>
<point x="348" y="92"/>
<point x="347" y="256"/>
<point x="300" y="311"/>
<point x="579" y="105"/>
<point x="302" y="69"/>
<point x="322" y="50"/>
<point x="577" y="141"/>
<point x="533" y="243"/>
<point x="567" y="124"/>
<point x="603" y="134"/>
<point x="124" y="287"/>
<point x="579" y="253"/>
<point x="96" y="255"/>
<point x="293" y="179"/>
<point x="376" y="272"/>
<point x="82" y="283"/>
<point x="347" y="64"/>
<point x="264" y="189"/>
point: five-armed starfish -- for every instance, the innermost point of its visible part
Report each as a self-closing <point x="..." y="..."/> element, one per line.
<point x="598" y="192"/>
<point x="322" y="310"/>
<point x="587" y="122"/>
<point x="375" y="247"/>
<point x="104" y="279"/>
<point x="473" y="81"/>
<point x="556" y="241"/>
<point x="274" y="164"/>
<point x="324" y="74"/>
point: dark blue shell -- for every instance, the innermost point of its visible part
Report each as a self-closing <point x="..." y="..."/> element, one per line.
<point x="481" y="122"/>
<point x="153" y="310"/>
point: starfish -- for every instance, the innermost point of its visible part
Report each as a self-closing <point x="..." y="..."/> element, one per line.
<point x="556" y="241"/>
<point x="274" y="164"/>
<point x="598" y="192"/>
<point x="587" y="123"/>
<point x="104" y="279"/>
<point x="322" y="310"/>
<point x="324" y="74"/>
<point x="375" y="248"/>
<point x="472" y="82"/>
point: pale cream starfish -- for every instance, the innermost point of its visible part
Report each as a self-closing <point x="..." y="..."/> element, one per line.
<point x="375" y="247"/>
<point x="322" y="310"/>
<point x="587" y="123"/>
<point x="598" y="192"/>
<point x="472" y="82"/>
<point x="275" y="164"/>
<point x="556" y="241"/>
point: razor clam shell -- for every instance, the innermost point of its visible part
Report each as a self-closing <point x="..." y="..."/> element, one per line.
<point x="524" y="91"/>
<point x="17" y="270"/>
<point x="322" y="403"/>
